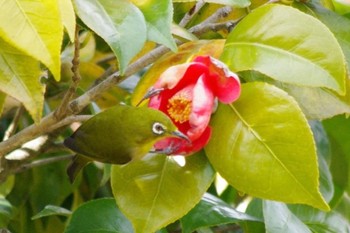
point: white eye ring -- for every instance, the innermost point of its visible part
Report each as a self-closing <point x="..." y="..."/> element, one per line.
<point x="158" y="128"/>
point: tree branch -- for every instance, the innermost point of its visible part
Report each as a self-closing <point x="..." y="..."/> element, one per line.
<point x="62" y="110"/>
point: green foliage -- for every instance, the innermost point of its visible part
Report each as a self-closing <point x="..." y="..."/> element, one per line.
<point x="282" y="148"/>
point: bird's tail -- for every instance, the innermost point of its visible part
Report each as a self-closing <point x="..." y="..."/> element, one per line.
<point x="78" y="163"/>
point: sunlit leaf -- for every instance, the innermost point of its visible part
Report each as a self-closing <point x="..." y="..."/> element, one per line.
<point x="158" y="15"/>
<point x="216" y="211"/>
<point x="35" y="28"/>
<point x="67" y="17"/>
<point x="186" y="53"/>
<point x="119" y="23"/>
<point x="265" y="45"/>
<point x="19" y="78"/>
<point x="278" y="218"/>
<point x="338" y="25"/>
<point x="157" y="190"/>
<point x="100" y="216"/>
<point x="262" y="145"/>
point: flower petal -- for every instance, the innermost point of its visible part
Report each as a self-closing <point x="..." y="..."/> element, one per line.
<point x="226" y="85"/>
<point x="202" y="106"/>
<point x="171" y="76"/>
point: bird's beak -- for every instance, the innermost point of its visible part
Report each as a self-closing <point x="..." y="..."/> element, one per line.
<point x="179" y="134"/>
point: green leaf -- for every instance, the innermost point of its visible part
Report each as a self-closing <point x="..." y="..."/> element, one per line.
<point x="98" y="216"/>
<point x="158" y="15"/>
<point x="338" y="25"/>
<point x="235" y="3"/>
<point x="323" y="155"/>
<point x="216" y="212"/>
<point x="119" y="23"/>
<point x="278" y="218"/>
<point x="269" y="151"/>
<point x="6" y="212"/>
<point x="50" y="210"/>
<point x="287" y="45"/>
<point x="50" y="185"/>
<point x="35" y="28"/>
<point x="157" y="190"/>
<point x="7" y="186"/>
<point x="67" y="17"/>
<point x="316" y="103"/>
<point x="319" y="221"/>
<point x="337" y="129"/>
<point x="19" y="78"/>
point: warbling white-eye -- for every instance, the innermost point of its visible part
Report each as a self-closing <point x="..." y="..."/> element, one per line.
<point x="118" y="135"/>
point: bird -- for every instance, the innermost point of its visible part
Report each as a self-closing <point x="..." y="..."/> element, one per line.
<point x="119" y="135"/>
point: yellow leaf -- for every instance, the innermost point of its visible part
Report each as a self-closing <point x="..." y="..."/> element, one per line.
<point x="67" y="17"/>
<point x="35" y="28"/>
<point x="19" y="78"/>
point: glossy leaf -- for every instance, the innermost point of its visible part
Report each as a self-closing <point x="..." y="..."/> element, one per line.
<point x="338" y="25"/>
<point x="50" y="210"/>
<point x="50" y="186"/>
<point x="323" y="157"/>
<point x="340" y="150"/>
<point x="186" y="53"/>
<point x="98" y="216"/>
<point x="159" y="16"/>
<point x="262" y="145"/>
<point x="119" y="23"/>
<point x="216" y="212"/>
<point x="319" y="221"/>
<point x="265" y="45"/>
<point x="316" y="103"/>
<point x="236" y="3"/>
<point x="67" y="17"/>
<point x="278" y="218"/>
<point x="6" y="212"/>
<point x="34" y="28"/>
<point x="156" y="191"/>
<point x="19" y="78"/>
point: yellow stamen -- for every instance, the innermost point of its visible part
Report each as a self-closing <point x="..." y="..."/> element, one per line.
<point x="180" y="107"/>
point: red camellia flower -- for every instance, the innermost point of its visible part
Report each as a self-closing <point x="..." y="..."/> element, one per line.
<point x="188" y="96"/>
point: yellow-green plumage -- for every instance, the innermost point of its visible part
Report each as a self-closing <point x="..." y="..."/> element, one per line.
<point x="118" y="135"/>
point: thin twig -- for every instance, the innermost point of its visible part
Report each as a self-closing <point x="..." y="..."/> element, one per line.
<point x="192" y="12"/>
<point x="216" y="26"/>
<point x="13" y="126"/>
<point x="61" y="111"/>
<point x="41" y="162"/>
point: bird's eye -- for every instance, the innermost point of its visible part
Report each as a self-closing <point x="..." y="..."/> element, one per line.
<point x="158" y="128"/>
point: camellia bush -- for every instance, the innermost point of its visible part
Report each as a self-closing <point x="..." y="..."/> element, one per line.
<point x="261" y="89"/>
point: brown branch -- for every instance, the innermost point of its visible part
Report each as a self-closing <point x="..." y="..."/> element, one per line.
<point x="62" y="110"/>
<point x="189" y="15"/>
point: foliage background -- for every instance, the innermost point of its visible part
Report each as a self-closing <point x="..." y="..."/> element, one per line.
<point x="278" y="159"/>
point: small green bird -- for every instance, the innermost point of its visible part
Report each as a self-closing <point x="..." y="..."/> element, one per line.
<point x="118" y="135"/>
